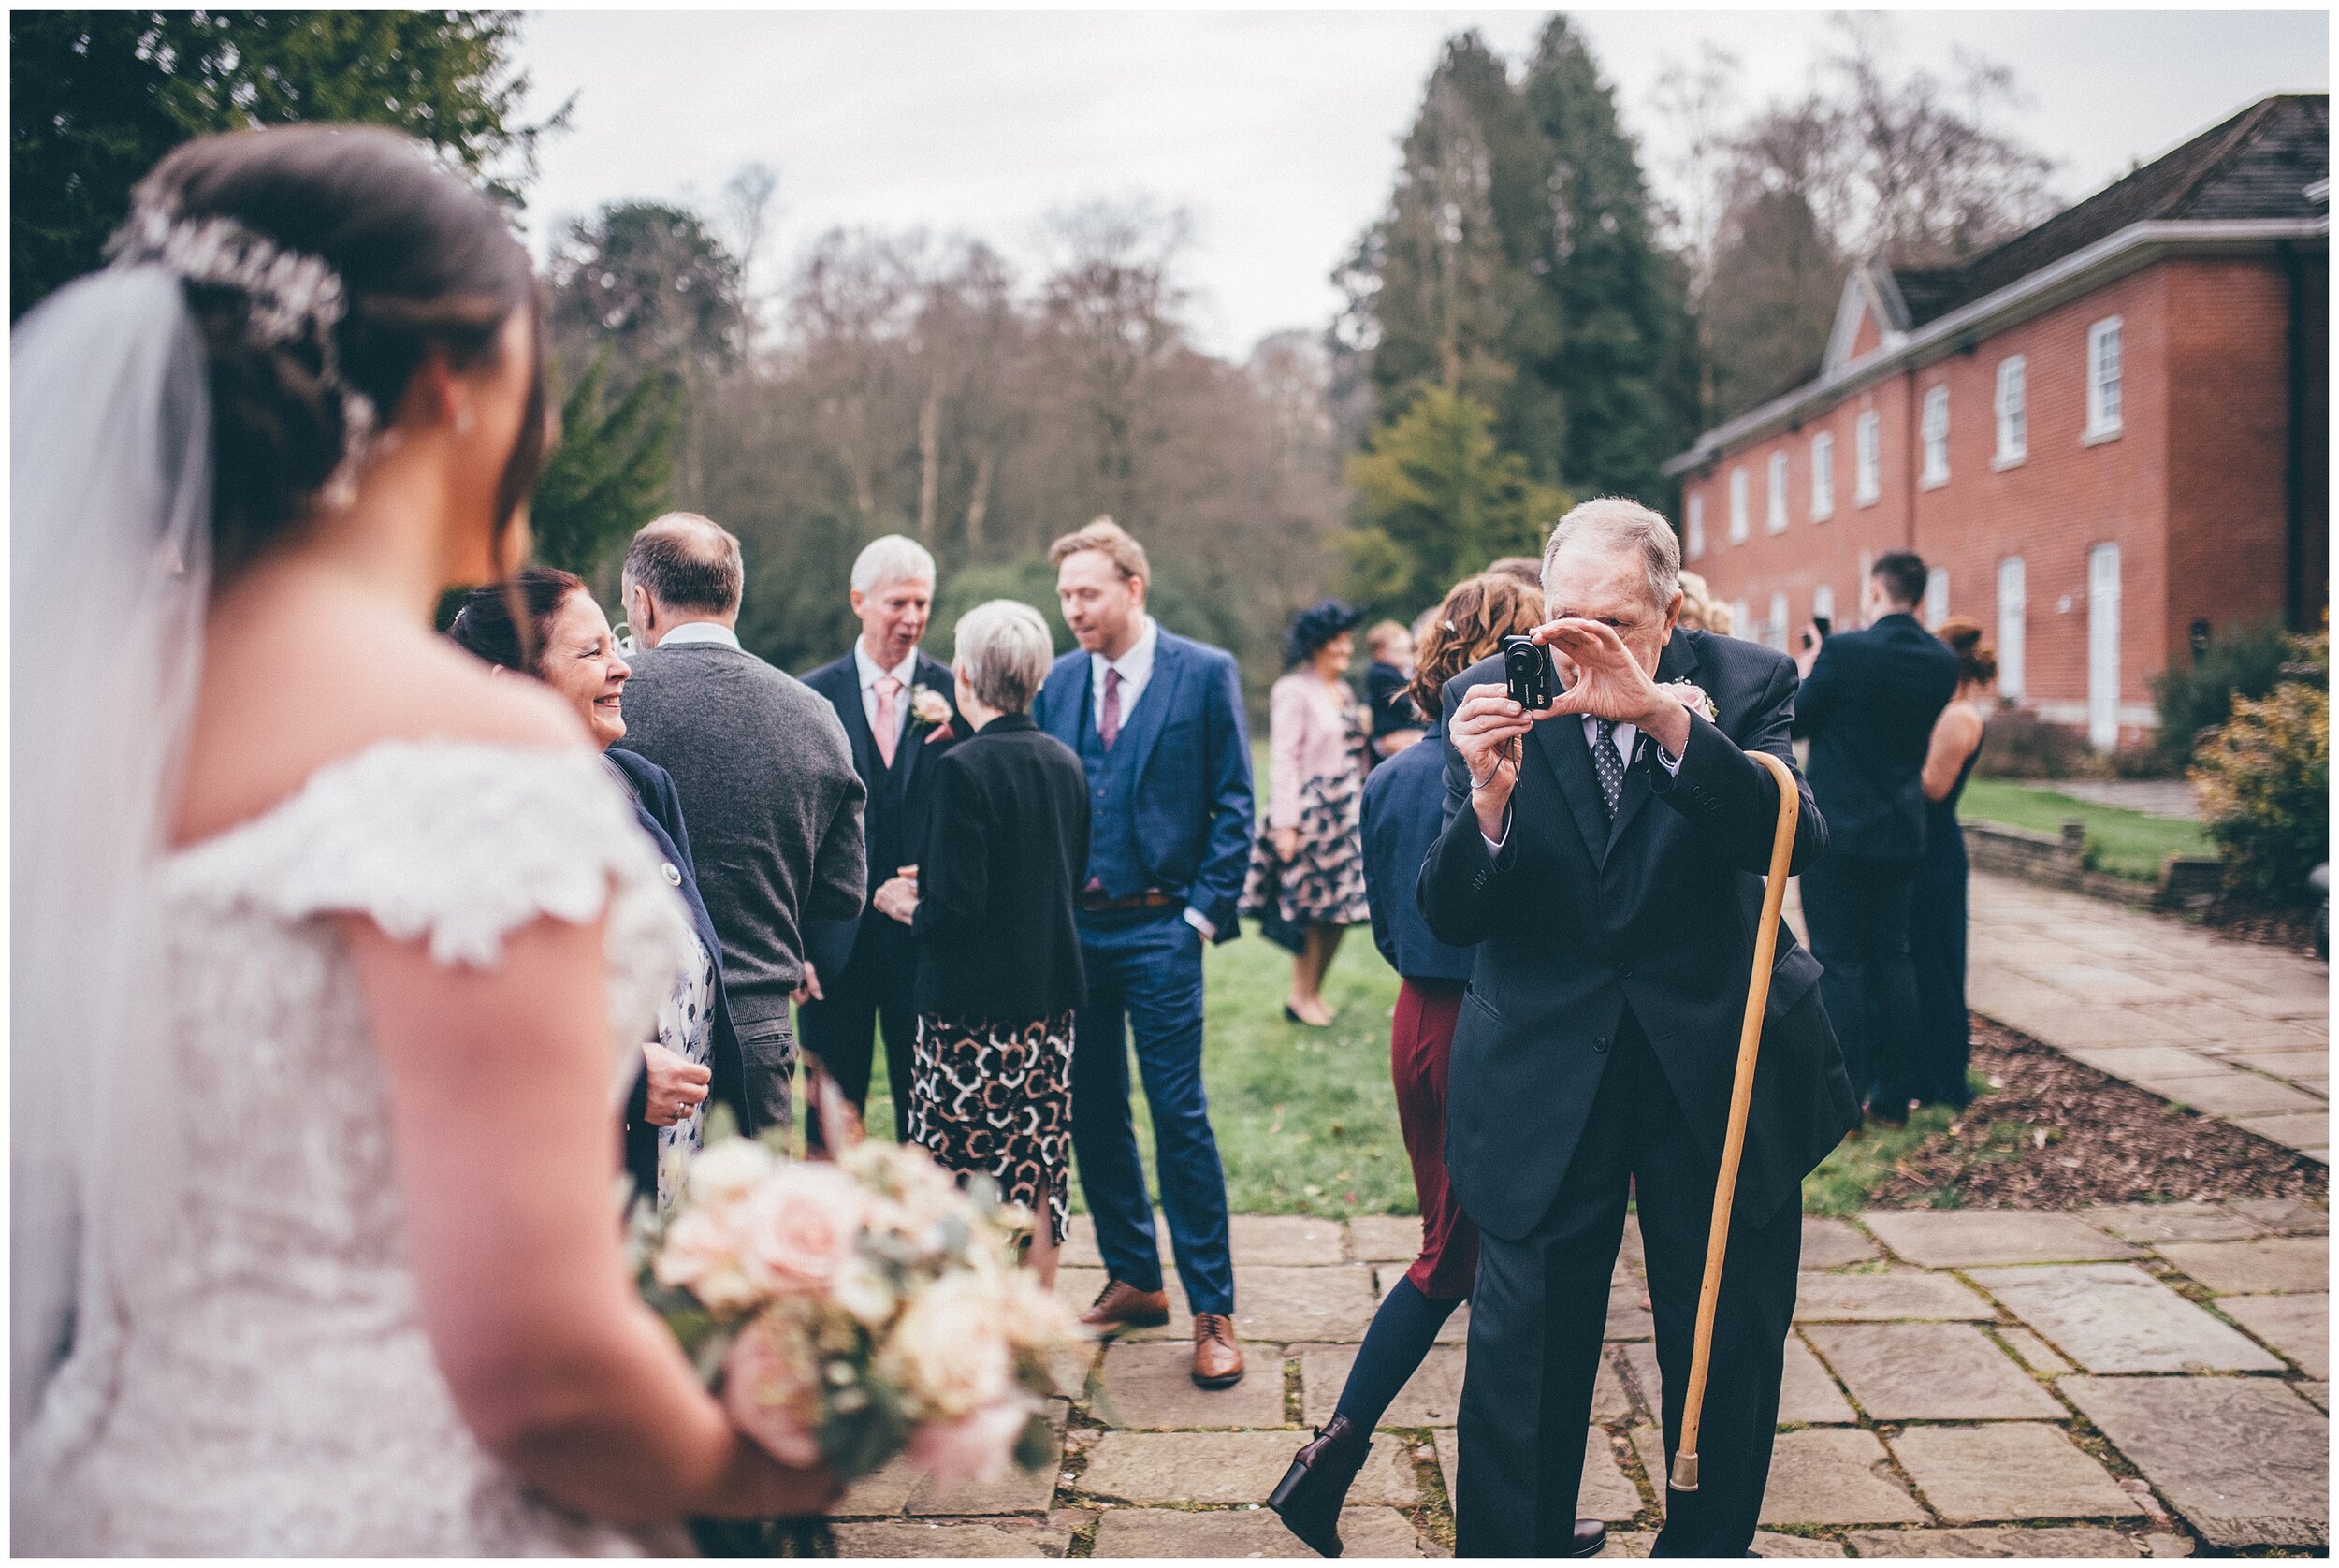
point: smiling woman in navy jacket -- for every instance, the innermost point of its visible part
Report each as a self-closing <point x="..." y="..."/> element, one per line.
<point x="568" y="645"/>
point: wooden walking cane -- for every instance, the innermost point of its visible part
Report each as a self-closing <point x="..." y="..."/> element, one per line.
<point x="1741" y="1098"/>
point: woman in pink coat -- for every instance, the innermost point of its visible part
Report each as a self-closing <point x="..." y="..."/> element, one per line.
<point x="1307" y="870"/>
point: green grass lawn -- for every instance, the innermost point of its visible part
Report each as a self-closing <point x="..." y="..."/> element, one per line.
<point x="2124" y="843"/>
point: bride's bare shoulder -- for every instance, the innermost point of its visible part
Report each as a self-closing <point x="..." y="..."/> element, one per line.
<point x="295" y="679"/>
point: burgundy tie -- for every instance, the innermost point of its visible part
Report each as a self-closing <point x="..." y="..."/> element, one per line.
<point x="1109" y="722"/>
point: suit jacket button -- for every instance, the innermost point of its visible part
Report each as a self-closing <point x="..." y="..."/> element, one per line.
<point x="1601" y="1044"/>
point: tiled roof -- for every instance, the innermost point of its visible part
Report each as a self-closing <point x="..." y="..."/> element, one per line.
<point x="2257" y="164"/>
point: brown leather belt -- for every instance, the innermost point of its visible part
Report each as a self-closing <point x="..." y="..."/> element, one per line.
<point x="1152" y="898"/>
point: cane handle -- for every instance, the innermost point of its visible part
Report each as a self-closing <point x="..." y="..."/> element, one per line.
<point x="1741" y="1098"/>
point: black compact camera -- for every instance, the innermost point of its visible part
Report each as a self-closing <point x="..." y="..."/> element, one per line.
<point x="1527" y="669"/>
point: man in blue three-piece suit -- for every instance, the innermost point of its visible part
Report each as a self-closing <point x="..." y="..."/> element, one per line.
<point x="1156" y="720"/>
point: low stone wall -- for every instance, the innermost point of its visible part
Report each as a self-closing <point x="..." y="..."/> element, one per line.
<point x="2059" y="860"/>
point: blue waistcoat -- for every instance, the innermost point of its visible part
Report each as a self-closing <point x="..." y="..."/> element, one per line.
<point x="1112" y="855"/>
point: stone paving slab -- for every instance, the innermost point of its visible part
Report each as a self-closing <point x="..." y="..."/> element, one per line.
<point x="2268" y="1263"/>
<point x="1016" y="1492"/>
<point x="1431" y="1397"/>
<point x="2053" y="1540"/>
<point x="1287" y="1239"/>
<point x="2307" y="1131"/>
<point x="879" y="1495"/>
<point x="1226" y="1467"/>
<point x="1627" y="1319"/>
<point x="1384" y="1238"/>
<point x="1882" y="1297"/>
<point x="1931" y="1372"/>
<point x="1960" y="1237"/>
<point x="2152" y="1223"/>
<point x="2283" y="1216"/>
<point x="2234" y="1093"/>
<point x="1246" y="1532"/>
<point x="1605" y="1492"/>
<point x="1152" y="1387"/>
<point x="1831" y="1243"/>
<point x="2244" y="1460"/>
<point x="903" y="1539"/>
<point x="2297" y="1326"/>
<point x="1807" y="1395"/>
<point x="2315" y="1394"/>
<point x="2008" y="1470"/>
<point x="1274" y="1301"/>
<point x="2113" y="1317"/>
<point x="1835" y="1475"/>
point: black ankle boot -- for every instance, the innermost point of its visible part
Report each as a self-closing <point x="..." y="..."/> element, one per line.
<point x="1310" y="1495"/>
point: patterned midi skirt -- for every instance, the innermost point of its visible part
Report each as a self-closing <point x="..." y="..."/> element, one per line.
<point x="1324" y="884"/>
<point x="997" y="1099"/>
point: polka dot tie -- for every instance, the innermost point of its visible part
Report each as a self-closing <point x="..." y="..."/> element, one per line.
<point x="1606" y="763"/>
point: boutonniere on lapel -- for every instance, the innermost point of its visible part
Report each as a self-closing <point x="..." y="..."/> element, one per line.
<point x="1694" y="698"/>
<point x="929" y="707"/>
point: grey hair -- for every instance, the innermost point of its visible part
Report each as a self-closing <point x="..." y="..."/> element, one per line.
<point x="894" y="559"/>
<point x="1621" y="524"/>
<point x="1004" y="651"/>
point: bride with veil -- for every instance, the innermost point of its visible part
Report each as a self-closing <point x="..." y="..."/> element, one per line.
<point x="329" y="949"/>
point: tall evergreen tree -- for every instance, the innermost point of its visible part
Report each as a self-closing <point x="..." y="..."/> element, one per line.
<point x="1625" y="367"/>
<point x="1441" y="288"/>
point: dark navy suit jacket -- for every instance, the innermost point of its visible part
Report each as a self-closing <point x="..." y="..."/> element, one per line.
<point x="1580" y="920"/>
<point x="659" y="808"/>
<point x="1404" y="810"/>
<point x="1194" y="814"/>
<point x="1869" y="708"/>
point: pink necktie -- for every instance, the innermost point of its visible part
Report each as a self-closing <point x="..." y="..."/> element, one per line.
<point x="889" y="718"/>
<point x="1109" y="722"/>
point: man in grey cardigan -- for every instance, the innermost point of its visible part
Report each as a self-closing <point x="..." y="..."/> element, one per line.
<point x="768" y="790"/>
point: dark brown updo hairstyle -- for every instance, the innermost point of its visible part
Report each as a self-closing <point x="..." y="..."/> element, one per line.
<point x="508" y="623"/>
<point x="1976" y="661"/>
<point x="424" y="261"/>
<point x="1478" y="613"/>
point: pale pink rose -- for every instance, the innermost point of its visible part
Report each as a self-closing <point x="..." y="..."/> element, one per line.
<point x="974" y="1447"/>
<point x="703" y="1255"/>
<point x="948" y="1355"/>
<point x="729" y="1171"/>
<point x="1036" y="1320"/>
<point x="801" y="1226"/>
<point x="771" y="1388"/>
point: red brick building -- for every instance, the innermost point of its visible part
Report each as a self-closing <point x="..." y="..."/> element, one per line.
<point x="2108" y="436"/>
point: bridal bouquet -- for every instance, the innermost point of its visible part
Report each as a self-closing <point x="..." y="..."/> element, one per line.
<point x="852" y="1311"/>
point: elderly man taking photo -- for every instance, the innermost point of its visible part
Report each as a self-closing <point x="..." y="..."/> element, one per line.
<point x="1606" y="855"/>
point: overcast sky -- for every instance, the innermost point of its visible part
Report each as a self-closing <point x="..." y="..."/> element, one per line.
<point x="1276" y="130"/>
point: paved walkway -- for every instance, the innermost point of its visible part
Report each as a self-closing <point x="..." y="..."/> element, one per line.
<point x="2126" y="1381"/>
<point x="2154" y="797"/>
<point x="2233" y="1029"/>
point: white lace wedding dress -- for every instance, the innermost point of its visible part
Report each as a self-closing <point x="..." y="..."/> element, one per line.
<point x="263" y="1384"/>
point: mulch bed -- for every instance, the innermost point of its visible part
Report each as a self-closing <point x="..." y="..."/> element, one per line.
<point x="2104" y="1141"/>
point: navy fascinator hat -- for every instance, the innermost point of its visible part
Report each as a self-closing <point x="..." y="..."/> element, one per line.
<point x="1316" y="625"/>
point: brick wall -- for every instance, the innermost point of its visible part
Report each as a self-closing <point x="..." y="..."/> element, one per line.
<point x="2191" y="488"/>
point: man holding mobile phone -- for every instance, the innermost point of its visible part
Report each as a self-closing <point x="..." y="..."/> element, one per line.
<point x="1605" y="854"/>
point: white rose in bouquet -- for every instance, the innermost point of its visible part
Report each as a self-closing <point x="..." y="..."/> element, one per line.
<point x="949" y="1354"/>
<point x="801" y="1227"/>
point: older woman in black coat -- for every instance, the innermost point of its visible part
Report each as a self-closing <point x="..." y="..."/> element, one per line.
<point x="991" y="913"/>
<point x="563" y="638"/>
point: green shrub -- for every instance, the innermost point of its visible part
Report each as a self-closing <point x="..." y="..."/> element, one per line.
<point x="2243" y="666"/>
<point x="2263" y="781"/>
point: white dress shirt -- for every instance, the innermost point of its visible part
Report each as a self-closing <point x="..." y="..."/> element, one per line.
<point x="700" y="631"/>
<point x="906" y="672"/>
<point x="1136" y="667"/>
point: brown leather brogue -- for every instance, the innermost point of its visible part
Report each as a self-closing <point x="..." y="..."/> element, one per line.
<point x="1121" y="1305"/>
<point x="1218" y="1359"/>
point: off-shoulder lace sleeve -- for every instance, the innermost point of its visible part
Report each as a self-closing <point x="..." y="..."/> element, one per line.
<point x="459" y="844"/>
